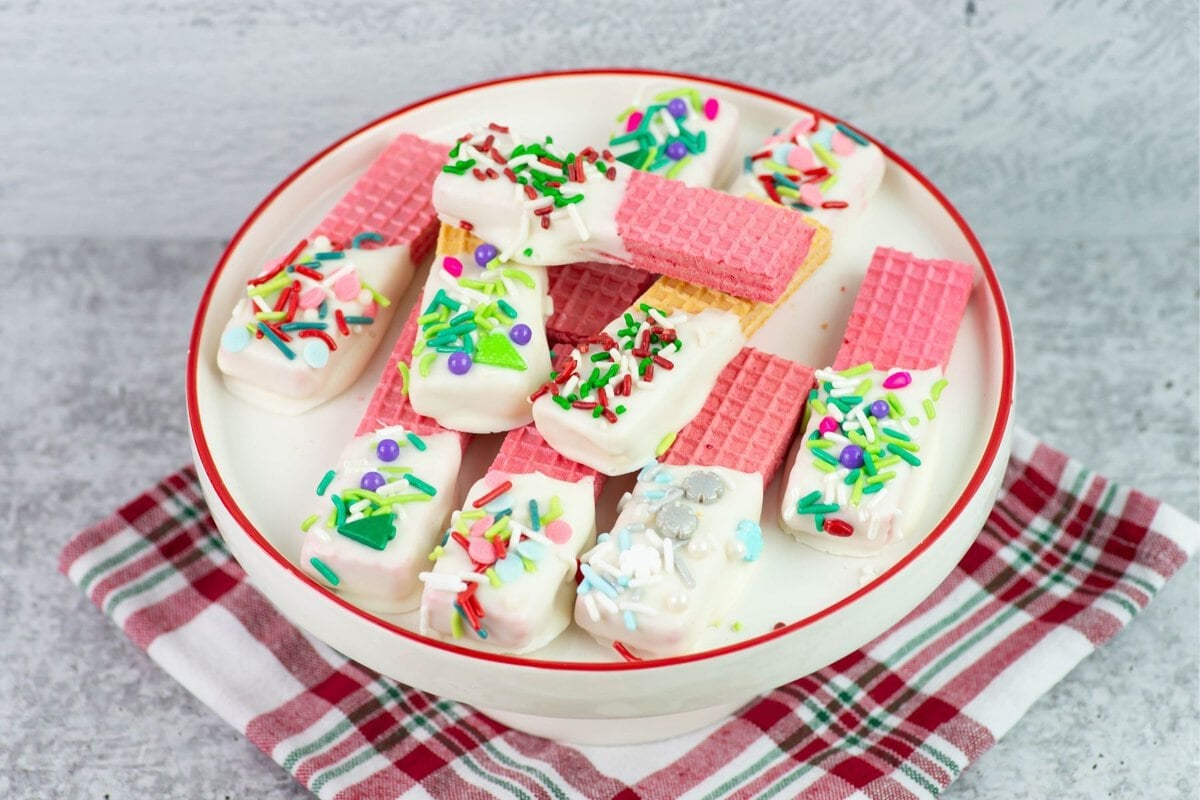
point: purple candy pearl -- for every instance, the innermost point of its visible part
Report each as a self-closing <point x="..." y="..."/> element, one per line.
<point x="485" y="253"/>
<point x="520" y="333"/>
<point x="387" y="450"/>
<point x="459" y="363"/>
<point x="677" y="108"/>
<point x="372" y="481"/>
<point x="851" y="457"/>
<point x="676" y="150"/>
<point x="880" y="409"/>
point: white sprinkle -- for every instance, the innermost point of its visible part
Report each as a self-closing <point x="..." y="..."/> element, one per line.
<point x="334" y="277"/>
<point x="442" y="583"/>
<point x="834" y="436"/>
<point x="605" y="601"/>
<point x="668" y="548"/>
<point x="638" y="583"/>
<point x="606" y="568"/>
<point x="573" y="213"/>
<point x="589" y="602"/>
<point x="320" y="533"/>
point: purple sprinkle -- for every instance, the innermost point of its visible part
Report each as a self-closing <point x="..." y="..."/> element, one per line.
<point x="387" y="450"/>
<point x="484" y="254"/>
<point x="851" y="456"/>
<point x="520" y="333"/>
<point x="880" y="409"/>
<point x="459" y="363"/>
<point x="372" y="481"/>
<point x="897" y="381"/>
<point x="676" y="150"/>
<point x="677" y="108"/>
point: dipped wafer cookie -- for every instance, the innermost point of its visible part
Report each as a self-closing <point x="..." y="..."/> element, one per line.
<point x="309" y="322"/>
<point x="862" y="464"/>
<point x="688" y="536"/>
<point x="542" y="205"/>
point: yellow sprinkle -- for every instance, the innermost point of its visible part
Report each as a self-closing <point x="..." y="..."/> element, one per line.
<point x="492" y="577"/>
<point x="437" y="553"/>
<point x="864" y="387"/>
<point x="936" y="390"/>
<point x="308" y="523"/>
<point x="735" y="627"/>
<point x="403" y="369"/>
<point x="271" y="316"/>
<point x="825" y="156"/>
<point x="824" y="467"/>
<point x="456" y="624"/>
<point x="379" y="299"/>
<point x="881" y="477"/>
<point x="930" y="413"/>
<point x="818" y="406"/>
<point x="665" y="444"/>
<point x="857" y="369"/>
<point x="554" y="511"/>
<point x="473" y="514"/>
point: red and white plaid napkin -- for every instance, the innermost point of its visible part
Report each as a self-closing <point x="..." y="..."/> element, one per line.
<point x="1066" y="560"/>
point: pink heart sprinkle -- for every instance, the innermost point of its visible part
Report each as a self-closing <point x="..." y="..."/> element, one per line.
<point x="711" y="108"/>
<point x="480" y="526"/>
<point x="494" y="478"/>
<point x="801" y="158"/>
<point x="632" y="123"/>
<point x="312" y="298"/>
<point x="346" y="287"/>
<point x="810" y="195"/>
<point x="452" y="265"/>
<point x="842" y="144"/>
<point x="897" y="380"/>
<point x="828" y="425"/>
<point x="481" y="551"/>
<point x="558" y="532"/>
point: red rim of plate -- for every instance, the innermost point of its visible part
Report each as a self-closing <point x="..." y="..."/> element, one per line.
<point x="990" y="451"/>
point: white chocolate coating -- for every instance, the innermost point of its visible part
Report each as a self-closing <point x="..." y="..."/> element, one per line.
<point x="385" y="581"/>
<point x="499" y="211"/>
<point x="654" y="409"/>
<point x="876" y="519"/>
<point x="857" y="171"/>
<point x="261" y="374"/>
<point x="657" y="595"/>
<point x="529" y="607"/>
<point x="487" y="398"/>
<point x="713" y="166"/>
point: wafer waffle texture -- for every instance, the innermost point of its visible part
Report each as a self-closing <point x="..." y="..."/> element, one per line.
<point x="907" y="312"/>
<point x="389" y="403"/>
<point x="710" y="238"/>
<point x="748" y="420"/>
<point x="672" y="294"/>
<point x="393" y="198"/>
<point x="587" y="296"/>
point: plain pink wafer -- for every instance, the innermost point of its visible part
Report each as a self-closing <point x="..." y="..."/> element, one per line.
<point x="392" y="199"/>
<point x="524" y="452"/>
<point x="907" y="312"/>
<point x="747" y="422"/>
<point x="709" y="238"/>
<point x="588" y="296"/>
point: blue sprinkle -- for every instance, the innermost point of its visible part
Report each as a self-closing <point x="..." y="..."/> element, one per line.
<point x="501" y="503"/>
<point x="630" y="622"/>
<point x="598" y="582"/>
<point x="533" y="550"/>
<point x="623" y="538"/>
<point x="654" y="494"/>
<point x="365" y="236"/>
<point x="602" y="538"/>
<point x="535" y="519"/>
<point x="784" y="180"/>
<point x="275" y="340"/>
<point x="750" y="535"/>
<point x="501" y="515"/>
<point x="235" y="340"/>
<point x="662" y="477"/>
<point x="584" y="587"/>
<point x="781" y="151"/>
<point x="417" y="441"/>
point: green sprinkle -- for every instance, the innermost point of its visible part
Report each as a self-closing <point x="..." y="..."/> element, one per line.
<point x="868" y="462"/>
<point x="553" y="512"/>
<point x="864" y="387"/>
<point x="825" y="457"/>
<point x="897" y="406"/>
<point x="823" y="466"/>
<point x="930" y="413"/>
<point x="472" y="515"/>
<point x="379" y="299"/>
<point x="935" y="391"/>
<point x="818" y="406"/>
<point x="520" y="276"/>
<point x="561" y="401"/>
<point x="857" y="492"/>
<point x="895" y="434"/>
<point x="678" y="166"/>
<point x="873" y="488"/>
<point x="413" y="480"/>
<point x="818" y="444"/>
<point x="820" y="508"/>
<point x="394" y="470"/>
<point x="426" y="362"/>
<point x="907" y="445"/>
<point x="852" y="477"/>
<point x="857" y="369"/>
<point x="508" y="310"/>
<point x="620" y="410"/>
<point x="417" y="441"/>
<point x="325" y="481"/>
<point x="401" y="499"/>
<point x="456" y="626"/>
<point x="308" y="523"/>
<point x="881" y="477"/>
<point x="402" y="368"/>
<point x="326" y="573"/>
<point x="819" y="520"/>
<point x="889" y="461"/>
<point x="737" y="626"/>
<point x="665" y="444"/>
<point x="905" y="455"/>
<point x="808" y="499"/>
<point x="492" y="577"/>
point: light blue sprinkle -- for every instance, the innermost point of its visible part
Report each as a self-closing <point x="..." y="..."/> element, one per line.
<point x="630" y="621"/>
<point x="316" y="353"/>
<point x="236" y="339"/>
<point x="654" y="494"/>
<point x="750" y="535"/>
<point x="533" y="550"/>
<point x="602" y="538"/>
<point x="781" y="151"/>
<point x="598" y="582"/>
<point x="584" y="587"/>
<point x="623" y="539"/>
<point x="499" y="504"/>
<point x="662" y="477"/>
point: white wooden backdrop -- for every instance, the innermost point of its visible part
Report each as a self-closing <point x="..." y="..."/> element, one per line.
<point x="1069" y="120"/>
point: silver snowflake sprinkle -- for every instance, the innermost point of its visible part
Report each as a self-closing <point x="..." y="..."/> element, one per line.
<point x="704" y="486"/>
<point x="677" y="521"/>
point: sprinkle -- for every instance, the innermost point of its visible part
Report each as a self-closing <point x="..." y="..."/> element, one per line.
<point x="809" y="499"/>
<point x="905" y="456"/>
<point x="413" y="480"/>
<point x="325" y="481"/>
<point x="426" y="363"/>
<point x="326" y="573"/>
<point x="360" y="320"/>
<point x="881" y="477"/>
<point x="417" y="441"/>
<point x="665" y="444"/>
<point x="403" y="370"/>
<point x="895" y="403"/>
<point x="343" y="328"/>
<point x="365" y="236"/>
<point x="456" y="628"/>
<point x="838" y="527"/>
<point x="482" y="501"/>
<point x="308" y="523"/>
<point x="857" y="370"/>
<point x="935" y="391"/>
<point x="853" y="134"/>
<point x="930" y="413"/>
<point x="276" y="340"/>
<point x="553" y="512"/>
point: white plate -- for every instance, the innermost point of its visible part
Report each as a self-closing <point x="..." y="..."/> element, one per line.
<point x="259" y="470"/>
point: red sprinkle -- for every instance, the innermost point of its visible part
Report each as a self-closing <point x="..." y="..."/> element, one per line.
<point x="466" y="137"/>
<point x="624" y="652"/>
<point x="568" y="369"/>
<point x="478" y="173"/>
<point x="543" y="389"/>
<point x="758" y="156"/>
<point x="662" y="362"/>
<point x="627" y="384"/>
<point x="608" y="156"/>
<point x="584" y="405"/>
<point x="609" y="415"/>
<point x="497" y="128"/>
<point x="498" y="157"/>
<point x="343" y="328"/>
<point x="466" y="226"/>
<point x="309" y="273"/>
<point x="261" y="279"/>
<point x="648" y="375"/>
<point x="550" y="162"/>
<point x="492" y="495"/>
<point x="322" y="335"/>
<point x="284" y="297"/>
<point x="544" y="210"/>
<point x="530" y="192"/>
<point x="460" y="539"/>
<point x="611" y="174"/>
<point x="501" y="548"/>
<point x="545" y="222"/>
<point x="275" y="329"/>
<point x="491" y="173"/>
<point x="838" y="527"/>
<point x="834" y="204"/>
<point x="602" y="396"/>
<point x="293" y="301"/>
<point x="508" y="173"/>
<point x="487" y="144"/>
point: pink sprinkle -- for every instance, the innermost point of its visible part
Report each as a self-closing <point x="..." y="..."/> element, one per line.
<point x="452" y="265"/>
<point x="347" y="287"/>
<point x="632" y="123"/>
<point x="841" y="143"/>
<point x="828" y="425"/>
<point x="480" y="526"/>
<point x="370" y="310"/>
<point x="481" y="551"/>
<point x="558" y="531"/>
<point x="810" y="195"/>
<point x="897" y="380"/>
<point x="711" y="107"/>
<point x="312" y="298"/>
<point x="494" y="478"/>
<point x="801" y="158"/>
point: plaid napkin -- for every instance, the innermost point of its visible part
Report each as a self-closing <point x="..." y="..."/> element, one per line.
<point x="1066" y="560"/>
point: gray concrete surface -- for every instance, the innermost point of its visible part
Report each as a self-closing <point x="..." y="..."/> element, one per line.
<point x="136" y="136"/>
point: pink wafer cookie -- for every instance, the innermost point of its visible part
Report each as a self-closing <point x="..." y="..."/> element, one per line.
<point x="392" y="199"/>
<point x="588" y="295"/>
<point x="524" y="451"/>
<point x="710" y="238"/>
<point x="907" y="312"/>
<point x="749" y="417"/>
